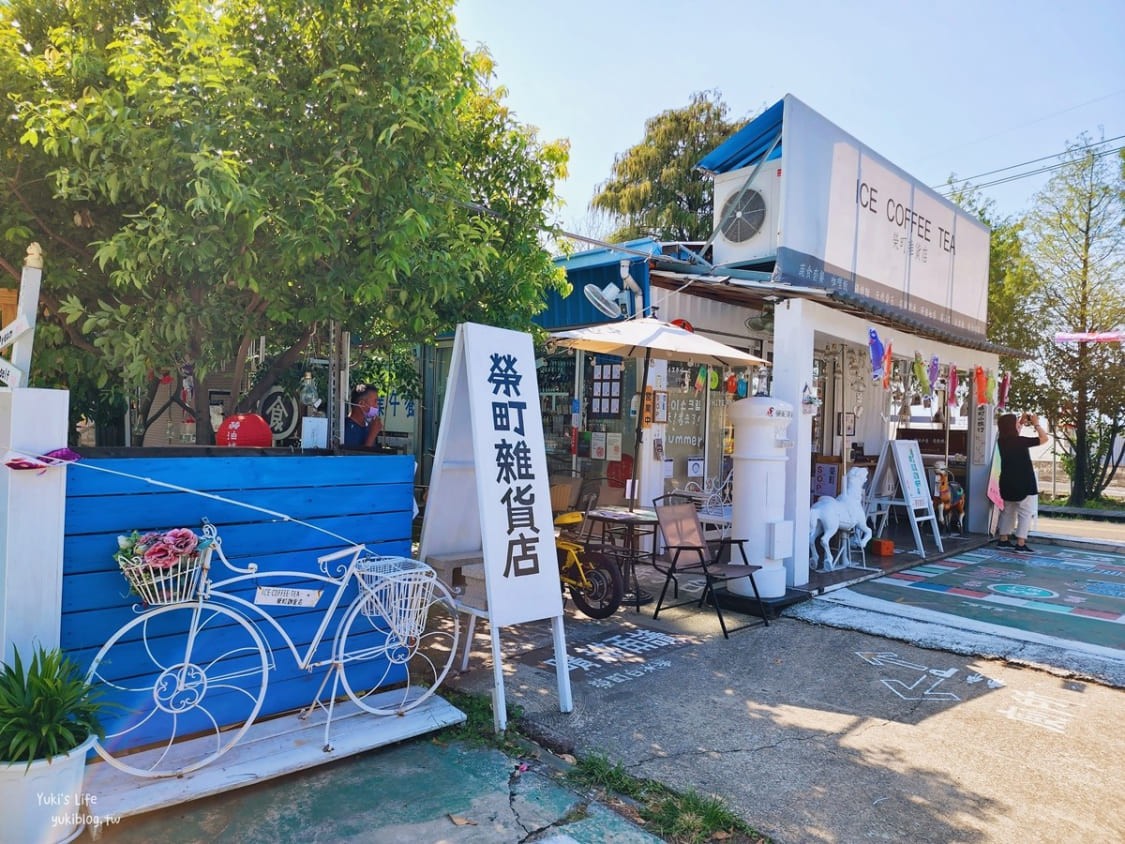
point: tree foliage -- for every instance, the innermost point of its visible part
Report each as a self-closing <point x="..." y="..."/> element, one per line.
<point x="205" y="174"/>
<point x="1075" y="237"/>
<point x="655" y="190"/>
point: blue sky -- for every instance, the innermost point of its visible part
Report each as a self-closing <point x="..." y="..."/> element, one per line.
<point x="959" y="86"/>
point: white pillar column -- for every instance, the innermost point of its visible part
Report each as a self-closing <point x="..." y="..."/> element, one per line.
<point x="32" y="507"/>
<point x="792" y="371"/>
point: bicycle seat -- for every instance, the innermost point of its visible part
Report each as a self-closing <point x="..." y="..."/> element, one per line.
<point x="569" y="519"/>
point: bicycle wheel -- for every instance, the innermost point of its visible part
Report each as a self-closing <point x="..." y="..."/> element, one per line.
<point x="159" y="694"/>
<point x="601" y="596"/>
<point x="394" y="656"/>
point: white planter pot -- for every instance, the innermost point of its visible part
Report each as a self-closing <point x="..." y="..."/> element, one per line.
<point x="43" y="804"/>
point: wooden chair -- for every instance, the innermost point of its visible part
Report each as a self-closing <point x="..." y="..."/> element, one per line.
<point x="684" y="538"/>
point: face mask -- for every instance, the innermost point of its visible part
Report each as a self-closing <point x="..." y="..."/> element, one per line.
<point x="371" y="413"/>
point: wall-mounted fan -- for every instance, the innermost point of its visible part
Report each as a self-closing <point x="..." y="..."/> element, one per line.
<point x="764" y="320"/>
<point x="611" y="300"/>
<point x="743" y="215"/>
<point x="604" y="299"/>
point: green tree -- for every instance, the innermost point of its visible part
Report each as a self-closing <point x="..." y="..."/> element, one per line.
<point x="655" y="190"/>
<point x="1011" y="279"/>
<point x="207" y="174"/>
<point x="1075" y="238"/>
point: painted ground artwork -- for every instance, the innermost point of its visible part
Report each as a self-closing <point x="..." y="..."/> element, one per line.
<point x="1056" y="591"/>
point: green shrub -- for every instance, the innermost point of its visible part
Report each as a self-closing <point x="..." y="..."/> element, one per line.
<point x="46" y="710"/>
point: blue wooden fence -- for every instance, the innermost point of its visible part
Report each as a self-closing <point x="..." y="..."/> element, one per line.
<point x="364" y="498"/>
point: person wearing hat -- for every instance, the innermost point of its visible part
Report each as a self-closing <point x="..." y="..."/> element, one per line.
<point x="1018" y="486"/>
<point x="363" y="424"/>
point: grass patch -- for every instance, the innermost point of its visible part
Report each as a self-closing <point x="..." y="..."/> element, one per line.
<point x="689" y="818"/>
<point x="1102" y="503"/>
<point x="478" y="729"/>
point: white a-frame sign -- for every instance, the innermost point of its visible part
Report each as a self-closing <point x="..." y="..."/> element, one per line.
<point x="900" y="481"/>
<point x="489" y="493"/>
<point x="20" y="332"/>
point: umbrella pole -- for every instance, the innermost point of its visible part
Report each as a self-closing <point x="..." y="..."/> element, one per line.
<point x="640" y="433"/>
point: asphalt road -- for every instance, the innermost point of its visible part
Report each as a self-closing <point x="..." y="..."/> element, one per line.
<point x="816" y="734"/>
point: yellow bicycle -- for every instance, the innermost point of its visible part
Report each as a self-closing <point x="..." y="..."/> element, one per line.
<point x="594" y="580"/>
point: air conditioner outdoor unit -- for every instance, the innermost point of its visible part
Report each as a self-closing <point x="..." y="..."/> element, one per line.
<point x="749" y="232"/>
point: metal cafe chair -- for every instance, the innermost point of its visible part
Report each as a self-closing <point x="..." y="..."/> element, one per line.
<point x="691" y="553"/>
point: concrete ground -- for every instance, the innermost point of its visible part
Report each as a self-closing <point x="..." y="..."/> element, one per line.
<point x="810" y="732"/>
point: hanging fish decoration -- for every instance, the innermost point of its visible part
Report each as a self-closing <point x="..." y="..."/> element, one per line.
<point x="876" y="347"/>
<point x="934" y="372"/>
<point x="990" y="387"/>
<point x="981" y="386"/>
<point x="952" y="380"/>
<point x="888" y="365"/>
<point x="920" y="377"/>
<point x="1005" y="384"/>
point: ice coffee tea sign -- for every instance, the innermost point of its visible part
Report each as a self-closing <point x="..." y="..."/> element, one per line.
<point x="853" y="221"/>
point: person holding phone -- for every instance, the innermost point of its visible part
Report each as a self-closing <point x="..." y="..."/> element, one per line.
<point x="1018" y="485"/>
<point x="362" y="424"/>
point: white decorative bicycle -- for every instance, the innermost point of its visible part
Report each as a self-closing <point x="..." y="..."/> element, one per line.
<point x="187" y="678"/>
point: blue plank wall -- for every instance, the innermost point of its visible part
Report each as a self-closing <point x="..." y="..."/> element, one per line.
<point x="365" y="498"/>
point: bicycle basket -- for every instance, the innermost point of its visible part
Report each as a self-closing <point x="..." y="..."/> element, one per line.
<point x="398" y="590"/>
<point x="165" y="586"/>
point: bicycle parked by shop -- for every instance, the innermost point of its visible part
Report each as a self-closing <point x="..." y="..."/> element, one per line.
<point x="592" y="578"/>
<point x="187" y="677"/>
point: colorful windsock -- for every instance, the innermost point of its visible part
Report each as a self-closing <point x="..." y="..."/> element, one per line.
<point x="981" y="386"/>
<point x="920" y="376"/>
<point x="876" y="347"/>
<point x="952" y="380"/>
<point x="1005" y="384"/>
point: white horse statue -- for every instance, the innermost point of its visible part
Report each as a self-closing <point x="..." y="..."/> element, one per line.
<point x="844" y="512"/>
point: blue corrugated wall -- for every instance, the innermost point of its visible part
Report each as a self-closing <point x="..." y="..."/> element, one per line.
<point x="366" y="499"/>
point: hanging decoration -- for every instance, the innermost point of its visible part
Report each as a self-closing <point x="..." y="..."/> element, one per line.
<point x="990" y="387"/>
<point x="1115" y="336"/>
<point x="888" y="365"/>
<point x="1002" y="396"/>
<point x="701" y="379"/>
<point x="920" y="377"/>
<point x="934" y="372"/>
<point x="951" y="398"/>
<point x="877" y="353"/>
<point x="743" y="386"/>
<point x="981" y="386"/>
<point x="731" y="383"/>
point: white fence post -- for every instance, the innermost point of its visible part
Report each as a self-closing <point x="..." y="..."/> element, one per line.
<point x="32" y="502"/>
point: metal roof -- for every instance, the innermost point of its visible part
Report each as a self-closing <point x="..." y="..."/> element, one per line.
<point x="748" y="144"/>
<point x="756" y="294"/>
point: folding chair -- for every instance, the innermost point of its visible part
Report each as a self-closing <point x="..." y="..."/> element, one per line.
<point x="684" y="537"/>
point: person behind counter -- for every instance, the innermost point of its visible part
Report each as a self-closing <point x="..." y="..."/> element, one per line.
<point x="1018" y="486"/>
<point x="363" y="424"/>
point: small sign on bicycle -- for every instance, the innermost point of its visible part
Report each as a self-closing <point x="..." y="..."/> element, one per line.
<point x="277" y="596"/>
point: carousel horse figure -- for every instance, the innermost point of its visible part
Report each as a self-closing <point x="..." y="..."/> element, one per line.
<point x="844" y="512"/>
<point x="950" y="500"/>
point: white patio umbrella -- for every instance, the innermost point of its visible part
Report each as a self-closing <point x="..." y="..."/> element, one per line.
<point x="649" y="338"/>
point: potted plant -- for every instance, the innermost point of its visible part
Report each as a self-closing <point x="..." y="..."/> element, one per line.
<point x="49" y="719"/>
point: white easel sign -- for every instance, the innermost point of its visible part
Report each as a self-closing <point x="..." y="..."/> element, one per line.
<point x="489" y="488"/>
<point x="521" y="567"/>
<point x="20" y="332"/>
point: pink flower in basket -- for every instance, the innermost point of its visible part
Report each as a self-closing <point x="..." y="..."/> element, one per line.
<point x="161" y="556"/>
<point x="181" y="541"/>
<point x="149" y="559"/>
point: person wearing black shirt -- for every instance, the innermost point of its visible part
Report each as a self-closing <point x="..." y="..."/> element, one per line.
<point x="1018" y="485"/>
